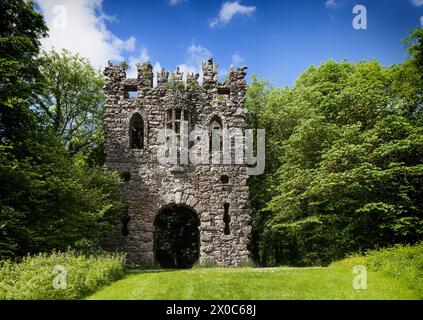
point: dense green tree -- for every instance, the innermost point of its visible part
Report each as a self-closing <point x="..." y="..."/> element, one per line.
<point x="346" y="148"/>
<point x="72" y="99"/>
<point x="414" y="45"/>
<point x="407" y="79"/>
<point x="20" y="29"/>
<point x="52" y="203"/>
<point x="48" y="199"/>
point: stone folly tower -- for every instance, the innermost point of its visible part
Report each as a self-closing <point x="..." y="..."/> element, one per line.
<point x="135" y="112"/>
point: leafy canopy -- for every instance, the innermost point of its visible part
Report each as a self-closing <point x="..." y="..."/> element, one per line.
<point x="344" y="161"/>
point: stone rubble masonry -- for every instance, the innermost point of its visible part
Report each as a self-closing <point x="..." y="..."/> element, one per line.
<point x="153" y="186"/>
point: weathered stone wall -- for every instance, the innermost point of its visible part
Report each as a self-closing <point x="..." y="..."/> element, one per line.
<point x="153" y="186"/>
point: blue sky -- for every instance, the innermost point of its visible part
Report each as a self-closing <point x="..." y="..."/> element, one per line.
<point x="275" y="39"/>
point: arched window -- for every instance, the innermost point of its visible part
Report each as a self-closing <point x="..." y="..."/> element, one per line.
<point x="136" y="127"/>
<point x="175" y="119"/>
<point x="216" y="139"/>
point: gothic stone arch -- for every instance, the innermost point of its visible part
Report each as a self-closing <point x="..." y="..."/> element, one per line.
<point x="176" y="241"/>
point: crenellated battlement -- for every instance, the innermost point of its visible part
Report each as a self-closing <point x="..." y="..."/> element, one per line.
<point x="116" y="77"/>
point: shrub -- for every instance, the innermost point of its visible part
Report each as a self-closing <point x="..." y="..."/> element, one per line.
<point x="404" y="262"/>
<point x="208" y="263"/>
<point x="32" y="278"/>
<point x="247" y="263"/>
<point x="401" y="262"/>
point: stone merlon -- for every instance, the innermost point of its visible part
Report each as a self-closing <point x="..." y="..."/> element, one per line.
<point x="116" y="73"/>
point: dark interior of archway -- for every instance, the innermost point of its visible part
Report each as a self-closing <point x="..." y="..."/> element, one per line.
<point x="176" y="237"/>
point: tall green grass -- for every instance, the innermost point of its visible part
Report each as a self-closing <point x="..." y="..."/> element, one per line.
<point x="402" y="262"/>
<point x="33" y="277"/>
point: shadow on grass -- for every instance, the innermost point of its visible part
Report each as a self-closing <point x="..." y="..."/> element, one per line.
<point x="137" y="270"/>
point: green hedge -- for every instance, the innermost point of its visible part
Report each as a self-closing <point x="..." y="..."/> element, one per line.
<point x="33" y="277"/>
<point x="401" y="262"/>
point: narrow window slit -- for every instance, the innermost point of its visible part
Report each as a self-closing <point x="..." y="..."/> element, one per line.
<point x="226" y="219"/>
<point x="125" y="222"/>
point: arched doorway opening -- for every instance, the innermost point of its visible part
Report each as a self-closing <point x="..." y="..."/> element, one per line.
<point x="176" y="237"/>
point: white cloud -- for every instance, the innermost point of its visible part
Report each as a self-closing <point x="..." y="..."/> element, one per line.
<point x="331" y="4"/>
<point x="237" y="60"/>
<point x="156" y="68"/>
<point x="80" y="27"/>
<point x="417" y="3"/>
<point x="196" y="54"/>
<point x="132" y="62"/>
<point x="143" y="57"/>
<point x="174" y="3"/>
<point x="228" y="11"/>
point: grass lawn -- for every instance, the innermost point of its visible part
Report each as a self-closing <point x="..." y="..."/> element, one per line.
<point x="254" y="283"/>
